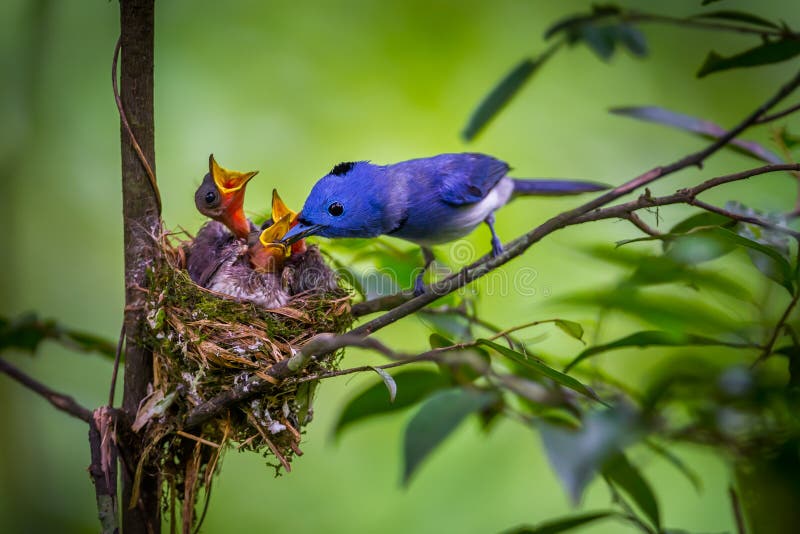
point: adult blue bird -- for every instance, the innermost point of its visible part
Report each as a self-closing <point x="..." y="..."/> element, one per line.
<point x="427" y="201"/>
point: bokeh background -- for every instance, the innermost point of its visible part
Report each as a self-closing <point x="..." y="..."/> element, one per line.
<point x="290" y="88"/>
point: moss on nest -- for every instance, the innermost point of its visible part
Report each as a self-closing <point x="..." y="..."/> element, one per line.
<point x="203" y="345"/>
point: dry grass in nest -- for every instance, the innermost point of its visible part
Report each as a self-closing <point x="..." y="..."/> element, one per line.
<point x="203" y="345"/>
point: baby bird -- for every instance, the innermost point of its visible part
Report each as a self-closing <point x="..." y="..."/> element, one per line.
<point x="253" y="272"/>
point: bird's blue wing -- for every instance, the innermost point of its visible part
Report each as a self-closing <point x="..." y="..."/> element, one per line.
<point x="466" y="178"/>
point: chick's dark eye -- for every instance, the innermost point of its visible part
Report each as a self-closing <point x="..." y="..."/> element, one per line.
<point x="336" y="209"/>
<point x="211" y="196"/>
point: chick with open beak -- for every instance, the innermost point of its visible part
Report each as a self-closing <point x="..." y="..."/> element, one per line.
<point x="221" y="197"/>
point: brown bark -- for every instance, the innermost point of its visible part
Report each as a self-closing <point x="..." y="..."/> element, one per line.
<point x="141" y="228"/>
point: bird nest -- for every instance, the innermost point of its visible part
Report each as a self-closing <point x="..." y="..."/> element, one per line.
<point x="206" y="344"/>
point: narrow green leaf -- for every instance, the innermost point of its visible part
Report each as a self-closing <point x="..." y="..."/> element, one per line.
<point x="706" y="2"/>
<point x="650" y="338"/>
<point x="412" y="385"/>
<point x="436" y="420"/>
<point x="502" y="94"/>
<point x="737" y="16"/>
<point x="540" y="368"/>
<point x="671" y="312"/>
<point x="563" y="524"/>
<point x="765" y="54"/>
<point x="703" y="128"/>
<point x="391" y="385"/>
<point x="623" y="474"/>
<point x="571" y="328"/>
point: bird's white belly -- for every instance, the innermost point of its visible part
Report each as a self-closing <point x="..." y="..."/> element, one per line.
<point x="459" y="221"/>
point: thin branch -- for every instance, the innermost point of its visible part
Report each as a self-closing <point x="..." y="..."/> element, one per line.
<point x="62" y="402"/>
<point x="319" y="346"/>
<point x="776" y="332"/>
<point x="641" y="225"/>
<point x="779" y="114"/>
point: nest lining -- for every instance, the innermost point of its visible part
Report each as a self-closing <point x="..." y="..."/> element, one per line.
<point x="204" y="344"/>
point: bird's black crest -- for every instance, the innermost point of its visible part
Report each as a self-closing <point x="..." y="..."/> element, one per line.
<point x="342" y="168"/>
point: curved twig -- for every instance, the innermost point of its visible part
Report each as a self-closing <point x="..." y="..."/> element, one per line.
<point x="124" y="119"/>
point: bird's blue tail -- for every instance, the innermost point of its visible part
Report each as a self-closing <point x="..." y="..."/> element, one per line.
<point x="544" y="187"/>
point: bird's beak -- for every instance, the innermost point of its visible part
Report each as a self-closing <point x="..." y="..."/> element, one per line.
<point x="300" y="231"/>
<point x="269" y="253"/>
<point x="272" y="235"/>
<point x="228" y="182"/>
<point x="280" y="209"/>
<point x="231" y="186"/>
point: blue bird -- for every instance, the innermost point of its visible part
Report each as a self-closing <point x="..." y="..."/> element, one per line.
<point x="427" y="201"/>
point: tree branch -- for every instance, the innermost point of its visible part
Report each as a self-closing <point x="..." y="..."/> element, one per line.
<point x="142" y="226"/>
<point x="62" y="402"/>
<point x="320" y="345"/>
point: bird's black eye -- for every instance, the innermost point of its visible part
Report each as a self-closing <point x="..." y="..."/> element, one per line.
<point x="211" y="196"/>
<point x="336" y="209"/>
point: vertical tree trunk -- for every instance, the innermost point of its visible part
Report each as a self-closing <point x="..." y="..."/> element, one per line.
<point x="141" y="227"/>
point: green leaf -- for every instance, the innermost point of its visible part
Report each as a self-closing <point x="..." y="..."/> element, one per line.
<point x="623" y="474"/>
<point x="27" y="332"/>
<point x="453" y="325"/>
<point x="666" y="311"/>
<point x="701" y="248"/>
<point x="706" y="2"/>
<point x="540" y="368"/>
<point x="577" y="456"/>
<point x="502" y="94"/>
<point x="789" y="140"/>
<point x="391" y="385"/>
<point x="771" y="262"/>
<point x="563" y="524"/>
<point x="703" y="128"/>
<point x="437" y="419"/>
<point x="765" y="54"/>
<point x="633" y="39"/>
<point x="571" y="328"/>
<point x="650" y="338"/>
<point x="737" y="16"/>
<point x="602" y="40"/>
<point x="413" y="385"/>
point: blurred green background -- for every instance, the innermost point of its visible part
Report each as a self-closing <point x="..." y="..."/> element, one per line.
<point x="290" y="88"/>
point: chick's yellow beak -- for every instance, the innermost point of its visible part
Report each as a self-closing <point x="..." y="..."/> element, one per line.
<point x="272" y="235"/>
<point x="280" y="209"/>
<point x="227" y="181"/>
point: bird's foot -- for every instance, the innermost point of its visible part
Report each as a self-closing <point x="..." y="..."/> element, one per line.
<point x="419" y="285"/>
<point x="497" y="247"/>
